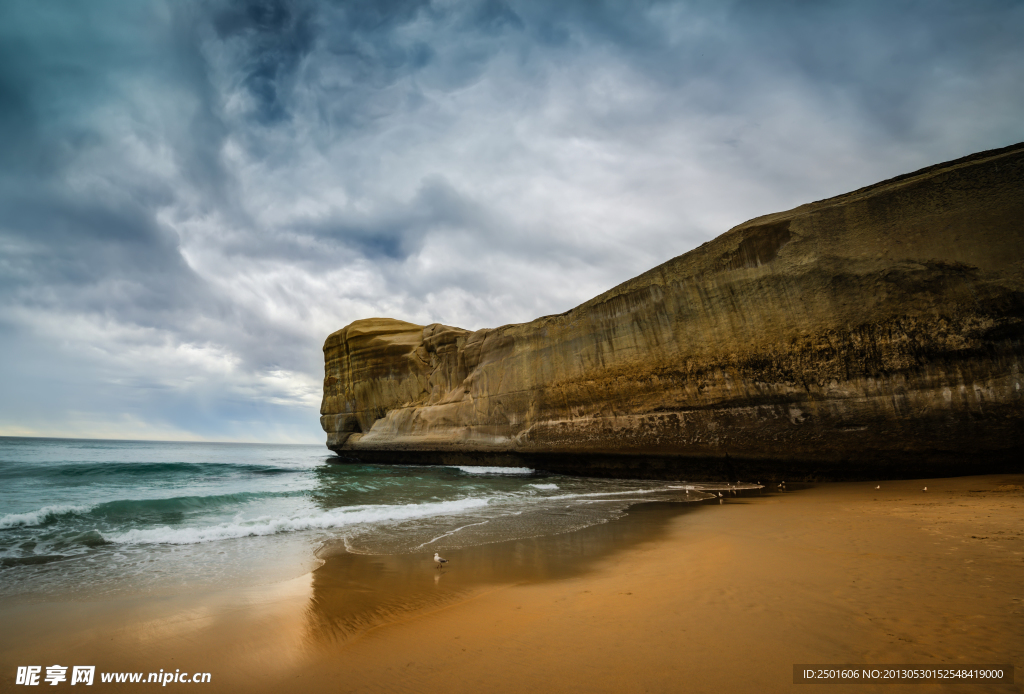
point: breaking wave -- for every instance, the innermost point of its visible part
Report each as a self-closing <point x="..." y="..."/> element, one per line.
<point x="334" y="518"/>
<point x="485" y="470"/>
<point x="43" y="515"/>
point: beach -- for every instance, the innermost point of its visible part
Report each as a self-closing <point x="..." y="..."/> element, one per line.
<point x="671" y="597"/>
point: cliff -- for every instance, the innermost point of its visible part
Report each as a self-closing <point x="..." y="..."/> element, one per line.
<point x="875" y="334"/>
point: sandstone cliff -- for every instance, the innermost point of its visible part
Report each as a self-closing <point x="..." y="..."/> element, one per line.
<point x="874" y="334"/>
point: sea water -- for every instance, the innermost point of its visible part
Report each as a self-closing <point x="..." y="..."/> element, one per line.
<point x="90" y="518"/>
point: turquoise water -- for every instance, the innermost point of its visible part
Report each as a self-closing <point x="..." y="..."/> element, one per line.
<point x="95" y="518"/>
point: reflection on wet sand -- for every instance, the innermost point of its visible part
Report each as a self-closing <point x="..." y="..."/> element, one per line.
<point x="352" y="593"/>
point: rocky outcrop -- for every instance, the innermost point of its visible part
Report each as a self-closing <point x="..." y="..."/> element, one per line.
<point x="874" y="334"/>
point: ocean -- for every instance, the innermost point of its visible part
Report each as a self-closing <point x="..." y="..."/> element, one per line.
<point x="83" y="519"/>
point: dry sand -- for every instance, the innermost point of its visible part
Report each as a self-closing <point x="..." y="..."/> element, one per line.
<point x="708" y="598"/>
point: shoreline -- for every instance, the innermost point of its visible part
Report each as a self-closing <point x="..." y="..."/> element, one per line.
<point x="712" y="596"/>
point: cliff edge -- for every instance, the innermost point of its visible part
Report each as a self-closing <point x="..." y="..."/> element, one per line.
<point x="875" y="334"/>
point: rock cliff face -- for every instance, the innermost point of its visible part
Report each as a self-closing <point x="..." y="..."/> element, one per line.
<point x="875" y="334"/>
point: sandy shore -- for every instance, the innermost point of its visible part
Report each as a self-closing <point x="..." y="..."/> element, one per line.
<point x="706" y="597"/>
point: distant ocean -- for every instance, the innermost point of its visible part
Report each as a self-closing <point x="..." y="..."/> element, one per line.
<point x="93" y="519"/>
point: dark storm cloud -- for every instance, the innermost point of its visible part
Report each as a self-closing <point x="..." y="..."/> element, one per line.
<point x="277" y="35"/>
<point x="193" y="194"/>
<point x="70" y="240"/>
<point x="883" y="56"/>
<point x="56" y="83"/>
<point x="400" y="230"/>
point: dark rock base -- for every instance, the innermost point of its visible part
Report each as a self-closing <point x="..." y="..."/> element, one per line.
<point x="883" y="466"/>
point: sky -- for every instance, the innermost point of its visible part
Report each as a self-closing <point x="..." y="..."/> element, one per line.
<point x="194" y="194"/>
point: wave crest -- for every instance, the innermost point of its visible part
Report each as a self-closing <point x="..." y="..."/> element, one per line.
<point x="335" y="518"/>
<point x="485" y="470"/>
<point x="46" y="513"/>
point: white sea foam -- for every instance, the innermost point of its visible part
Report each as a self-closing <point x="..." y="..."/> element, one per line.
<point x="335" y="518"/>
<point x="42" y="515"/>
<point x="485" y="470"/>
<point x="584" y="495"/>
<point x="450" y="533"/>
<point x="544" y="486"/>
<point x="717" y="487"/>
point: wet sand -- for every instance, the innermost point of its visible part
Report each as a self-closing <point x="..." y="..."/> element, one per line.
<point x="703" y="597"/>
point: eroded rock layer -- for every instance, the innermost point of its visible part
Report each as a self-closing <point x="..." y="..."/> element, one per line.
<point x="875" y="334"/>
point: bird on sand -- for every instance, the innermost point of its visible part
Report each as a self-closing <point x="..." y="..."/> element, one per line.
<point x="878" y="486"/>
<point x="925" y="489"/>
<point x="439" y="559"/>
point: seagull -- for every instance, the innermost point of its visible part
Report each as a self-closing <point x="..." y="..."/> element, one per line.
<point x="439" y="559"/>
<point x="878" y="486"/>
<point x="925" y="489"/>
